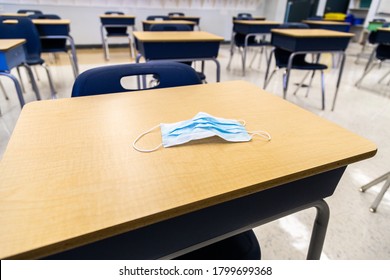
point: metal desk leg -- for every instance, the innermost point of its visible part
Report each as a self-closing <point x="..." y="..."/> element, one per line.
<point x="339" y="79"/>
<point x="218" y="69"/>
<point x="17" y="86"/>
<point x="104" y="43"/>
<point x="75" y="65"/>
<point x="286" y="76"/>
<point x="319" y="230"/>
<point x="386" y="178"/>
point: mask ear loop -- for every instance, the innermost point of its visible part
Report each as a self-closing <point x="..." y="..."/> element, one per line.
<point x="261" y="133"/>
<point x="142" y="135"/>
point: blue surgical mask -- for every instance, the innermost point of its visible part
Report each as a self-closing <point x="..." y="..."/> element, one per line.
<point x="202" y="126"/>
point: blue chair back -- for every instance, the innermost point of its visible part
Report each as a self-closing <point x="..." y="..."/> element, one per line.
<point x="176" y="14"/>
<point x="29" y="11"/>
<point x="158" y="17"/>
<point x="114" y="13"/>
<point x="244" y="16"/>
<point x="170" y="27"/>
<point x="107" y="79"/>
<point x="22" y="27"/>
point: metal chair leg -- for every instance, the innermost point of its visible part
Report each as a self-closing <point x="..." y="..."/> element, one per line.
<point x="301" y="83"/>
<point x="311" y="80"/>
<point x="323" y="90"/>
<point x="266" y="80"/>
<point x="17" y="86"/>
<point x="3" y="90"/>
<point x="49" y="77"/>
<point x="386" y="178"/>
<point x="21" y="81"/>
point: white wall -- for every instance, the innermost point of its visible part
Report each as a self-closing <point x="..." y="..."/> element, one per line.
<point x="216" y="15"/>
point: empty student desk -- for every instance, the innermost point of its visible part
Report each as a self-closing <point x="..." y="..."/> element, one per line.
<point x="250" y="29"/>
<point x="146" y="24"/>
<point x="89" y="184"/>
<point x="330" y="25"/>
<point x="179" y="46"/>
<point x="58" y="29"/>
<point x="12" y="55"/>
<point x="314" y="41"/>
<point x="194" y="19"/>
<point x="109" y="22"/>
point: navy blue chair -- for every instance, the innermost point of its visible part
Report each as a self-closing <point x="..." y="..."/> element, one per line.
<point x="30" y="12"/>
<point x="175" y="14"/>
<point x="107" y="79"/>
<point x="23" y="27"/>
<point x="299" y="62"/>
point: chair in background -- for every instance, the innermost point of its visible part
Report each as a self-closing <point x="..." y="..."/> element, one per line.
<point x="381" y="52"/>
<point x="116" y="27"/>
<point x="299" y="62"/>
<point x="158" y="17"/>
<point x="178" y="27"/>
<point x="108" y="79"/>
<point x="384" y="178"/>
<point x="23" y="28"/>
<point x="29" y="12"/>
<point x="176" y="14"/>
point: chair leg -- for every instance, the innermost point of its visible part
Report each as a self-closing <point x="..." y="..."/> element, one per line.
<point x="311" y="80"/>
<point x="231" y="51"/>
<point x="383" y="77"/>
<point x="301" y="83"/>
<point x="32" y="79"/>
<point x="21" y="81"/>
<point x="368" y="70"/>
<point x="322" y="89"/>
<point x="72" y="63"/>
<point x="49" y="77"/>
<point x="266" y="80"/>
<point x="3" y="90"/>
<point x="17" y="87"/>
<point x="386" y="178"/>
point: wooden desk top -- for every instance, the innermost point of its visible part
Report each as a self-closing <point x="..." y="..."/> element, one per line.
<point x="7" y="44"/>
<point x="299" y="33"/>
<point x="256" y="22"/>
<point x="117" y="16"/>
<point x="70" y="176"/>
<point x="326" y="22"/>
<point x="51" y="21"/>
<point x="169" y="22"/>
<point x="176" y="36"/>
<point x="14" y="15"/>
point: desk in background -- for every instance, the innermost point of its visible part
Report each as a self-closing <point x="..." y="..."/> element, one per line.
<point x="250" y="28"/>
<point x="54" y="29"/>
<point x="12" y="55"/>
<point x="178" y="46"/>
<point x="330" y="25"/>
<point x="112" y="21"/>
<point x="146" y="24"/>
<point x="314" y="41"/>
<point x="88" y="189"/>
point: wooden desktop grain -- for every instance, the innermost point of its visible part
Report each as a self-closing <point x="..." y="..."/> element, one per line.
<point x="70" y="176"/>
<point x="7" y="44"/>
<point x="51" y="21"/>
<point x="310" y="33"/>
<point x="176" y="36"/>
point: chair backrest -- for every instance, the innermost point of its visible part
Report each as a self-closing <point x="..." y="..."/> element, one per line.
<point x="22" y="27"/>
<point x="45" y="16"/>
<point x="114" y="13"/>
<point x="158" y="17"/>
<point x="244" y="16"/>
<point x="169" y="27"/>
<point x="29" y="11"/>
<point x="175" y="14"/>
<point x="107" y="79"/>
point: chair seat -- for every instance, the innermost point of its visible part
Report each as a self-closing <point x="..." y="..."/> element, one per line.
<point x="35" y="61"/>
<point x="305" y="66"/>
<point x="243" y="246"/>
<point x="117" y="34"/>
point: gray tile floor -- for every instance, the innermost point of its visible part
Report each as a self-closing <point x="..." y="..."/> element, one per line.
<point x="353" y="232"/>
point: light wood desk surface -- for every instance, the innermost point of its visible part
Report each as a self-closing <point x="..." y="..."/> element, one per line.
<point x="384" y="29"/>
<point x="326" y="22"/>
<point x="311" y="33"/>
<point x="51" y="21"/>
<point x="169" y="22"/>
<point x="256" y="22"/>
<point x="15" y="15"/>
<point x="6" y="44"/>
<point x="176" y="36"/>
<point x="70" y="176"/>
<point x="116" y="16"/>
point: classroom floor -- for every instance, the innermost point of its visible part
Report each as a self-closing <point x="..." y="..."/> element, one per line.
<point x="354" y="232"/>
